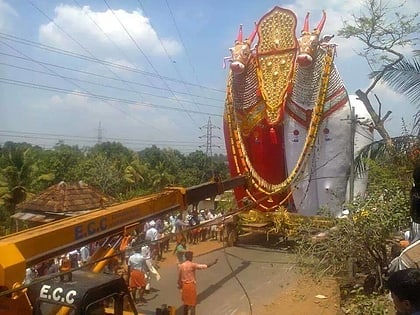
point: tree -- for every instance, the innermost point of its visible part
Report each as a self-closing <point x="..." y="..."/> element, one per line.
<point x="63" y="162"/>
<point x="383" y="30"/>
<point x="16" y="168"/>
<point x="161" y="177"/>
<point x="365" y="235"/>
<point x="103" y="173"/>
<point x="199" y="165"/>
<point x="134" y="174"/>
<point x="404" y="78"/>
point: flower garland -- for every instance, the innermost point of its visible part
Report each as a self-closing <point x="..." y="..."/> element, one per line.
<point x="238" y="146"/>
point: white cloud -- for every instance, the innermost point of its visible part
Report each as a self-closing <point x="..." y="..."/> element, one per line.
<point x="7" y="13"/>
<point x="338" y="12"/>
<point x="67" y="102"/>
<point x="78" y="23"/>
<point x="76" y="110"/>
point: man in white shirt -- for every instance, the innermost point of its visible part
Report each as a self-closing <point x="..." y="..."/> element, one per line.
<point x="152" y="232"/>
<point x="84" y="254"/>
<point x="137" y="282"/>
<point x="152" y="235"/>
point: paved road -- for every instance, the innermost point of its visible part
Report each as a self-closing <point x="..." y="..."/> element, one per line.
<point x="245" y="277"/>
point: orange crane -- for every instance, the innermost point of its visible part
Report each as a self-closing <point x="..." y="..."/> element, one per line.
<point x="86" y="288"/>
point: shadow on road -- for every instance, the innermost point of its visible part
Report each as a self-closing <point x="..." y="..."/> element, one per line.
<point x="211" y="289"/>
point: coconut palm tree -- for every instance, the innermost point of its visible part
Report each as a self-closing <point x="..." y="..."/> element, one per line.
<point x="404" y="78"/>
<point x="15" y="175"/>
<point x="405" y="149"/>
<point x="160" y="176"/>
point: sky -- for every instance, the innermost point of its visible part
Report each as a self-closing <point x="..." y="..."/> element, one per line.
<point x="144" y="72"/>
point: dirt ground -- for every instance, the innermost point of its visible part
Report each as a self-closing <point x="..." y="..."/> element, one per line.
<point x="304" y="297"/>
<point x="307" y="297"/>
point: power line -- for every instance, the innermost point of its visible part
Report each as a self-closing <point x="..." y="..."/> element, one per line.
<point x="92" y="58"/>
<point x="105" y="99"/>
<point x="101" y="29"/>
<point x="172" y="62"/>
<point x="89" y="73"/>
<point x="182" y="42"/>
<point x="98" y="84"/>
<point x="93" y="139"/>
<point x="78" y="86"/>
<point x="100" y="61"/>
<point x="48" y="88"/>
<point x="148" y="60"/>
<point x="71" y="37"/>
<point x="135" y="144"/>
<point x="98" y="96"/>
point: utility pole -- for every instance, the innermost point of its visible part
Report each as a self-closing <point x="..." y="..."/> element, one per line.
<point x="209" y="136"/>
<point x="353" y="122"/>
<point x="99" y="133"/>
<point x="209" y="143"/>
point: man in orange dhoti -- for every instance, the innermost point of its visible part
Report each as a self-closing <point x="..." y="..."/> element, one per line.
<point x="187" y="282"/>
<point x="137" y="272"/>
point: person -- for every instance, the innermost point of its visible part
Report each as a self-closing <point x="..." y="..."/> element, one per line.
<point x="149" y="267"/>
<point x="65" y="266"/>
<point x="193" y="233"/>
<point x="166" y="235"/>
<point x="202" y="218"/>
<point x="137" y="281"/>
<point x="84" y="255"/>
<point x="415" y="206"/>
<point x="161" y="243"/>
<point x="152" y="236"/>
<point x="180" y="249"/>
<point x="180" y="224"/>
<point x="172" y="220"/>
<point x="404" y="286"/>
<point x="125" y="242"/>
<point x="30" y="276"/>
<point x="187" y="281"/>
<point x="74" y="257"/>
<point x="213" y="227"/>
<point x="53" y="267"/>
<point x="152" y="232"/>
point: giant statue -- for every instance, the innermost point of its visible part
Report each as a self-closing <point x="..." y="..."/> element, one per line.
<point x="286" y="119"/>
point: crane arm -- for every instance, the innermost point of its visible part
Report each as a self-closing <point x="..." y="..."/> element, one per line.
<point x="30" y="246"/>
<point x="26" y="248"/>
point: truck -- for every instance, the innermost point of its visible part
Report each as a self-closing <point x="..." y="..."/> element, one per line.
<point x="88" y="290"/>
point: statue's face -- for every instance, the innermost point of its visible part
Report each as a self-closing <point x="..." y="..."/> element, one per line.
<point x="308" y="45"/>
<point x="241" y="54"/>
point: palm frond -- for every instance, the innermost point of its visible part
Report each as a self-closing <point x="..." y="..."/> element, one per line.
<point x="378" y="150"/>
<point x="404" y="78"/>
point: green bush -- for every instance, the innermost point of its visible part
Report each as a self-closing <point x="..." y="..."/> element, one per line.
<point x="363" y="239"/>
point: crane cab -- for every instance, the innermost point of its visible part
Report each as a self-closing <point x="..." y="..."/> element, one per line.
<point x="87" y="293"/>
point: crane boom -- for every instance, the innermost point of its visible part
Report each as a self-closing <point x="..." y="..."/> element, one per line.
<point x="34" y="245"/>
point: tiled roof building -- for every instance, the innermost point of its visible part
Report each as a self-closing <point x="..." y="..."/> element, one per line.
<point x="61" y="200"/>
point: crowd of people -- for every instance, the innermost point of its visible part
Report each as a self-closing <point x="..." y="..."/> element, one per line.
<point x="141" y="249"/>
<point x="149" y="245"/>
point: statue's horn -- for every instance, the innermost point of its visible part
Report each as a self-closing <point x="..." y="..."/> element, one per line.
<point x="306" y="23"/>
<point x="239" y="39"/>
<point x="252" y="36"/>
<point x="321" y="23"/>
